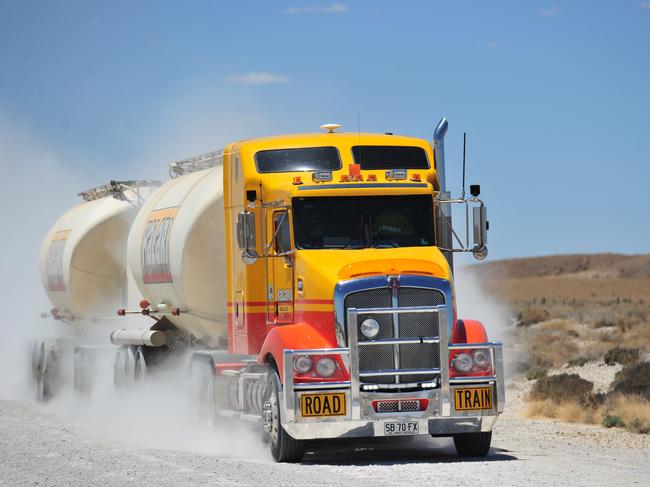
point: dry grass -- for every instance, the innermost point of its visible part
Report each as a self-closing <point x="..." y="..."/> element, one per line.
<point x="633" y="411"/>
<point x="567" y="411"/>
<point x="630" y="412"/>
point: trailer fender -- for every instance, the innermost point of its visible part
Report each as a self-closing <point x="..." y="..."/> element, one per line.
<point x="295" y="337"/>
<point x="469" y="331"/>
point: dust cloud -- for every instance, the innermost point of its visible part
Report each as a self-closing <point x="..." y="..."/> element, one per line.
<point x="38" y="186"/>
<point x="474" y="302"/>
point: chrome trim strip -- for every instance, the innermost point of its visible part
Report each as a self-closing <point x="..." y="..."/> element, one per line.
<point x="396" y="310"/>
<point x="401" y="341"/>
<point x="321" y="385"/>
<point x="501" y="378"/>
<point x="393" y="283"/>
<point x="354" y="364"/>
<point x="381" y="373"/>
<point x="445" y="317"/>
<point x="475" y="378"/>
<point x="288" y="388"/>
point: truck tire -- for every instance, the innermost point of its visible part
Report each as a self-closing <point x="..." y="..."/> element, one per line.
<point x="283" y="447"/>
<point x="203" y="391"/>
<point x="473" y="444"/>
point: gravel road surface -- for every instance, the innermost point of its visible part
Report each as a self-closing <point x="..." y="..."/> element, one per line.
<point x="40" y="445"/>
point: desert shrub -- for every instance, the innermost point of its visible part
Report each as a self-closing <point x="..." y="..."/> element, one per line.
<point x="536" y="373"/>
<point x="632" y="411"/>
<point x="531" y="315"/>
<point x="605" y="323"/>
<point x="633" y="379"/>
<point x="620" y="355"/>
<point x="612" y="421"/>
<point x="562" y="387"/>
<point x="578" y="361"/>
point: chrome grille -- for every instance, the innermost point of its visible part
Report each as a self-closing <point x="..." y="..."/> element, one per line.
<point x="411" y="325"/>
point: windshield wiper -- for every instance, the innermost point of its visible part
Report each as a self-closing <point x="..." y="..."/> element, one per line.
<point x="356" y="232"/>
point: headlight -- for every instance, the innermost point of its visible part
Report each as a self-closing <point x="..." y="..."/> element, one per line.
<point x="369" y="328"/>
<point x="325" y="367"/>
<point x="463" y="362"/>
<point x="482" y="358"/>
<point x="302" y="364"/>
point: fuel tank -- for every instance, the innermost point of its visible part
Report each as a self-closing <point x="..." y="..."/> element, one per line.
<point x="83" y="257"/>
<point x="176" y="253"/>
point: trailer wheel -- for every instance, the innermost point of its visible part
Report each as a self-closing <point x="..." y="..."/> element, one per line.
<point x="284" y="448"/>
<point x="124" y="367"/>
<point x="203" y="391"/>
<point x="473" y="444"/>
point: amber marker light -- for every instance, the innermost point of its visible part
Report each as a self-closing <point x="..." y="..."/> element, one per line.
<point x="297" y="180"/>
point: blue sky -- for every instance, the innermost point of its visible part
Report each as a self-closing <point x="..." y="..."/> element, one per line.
<point x="555" y="95"/>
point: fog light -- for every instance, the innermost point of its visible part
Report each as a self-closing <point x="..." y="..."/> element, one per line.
<point x="482" y="358"/>
<point x="325" y="367"/>
<point x="302" y="364"/>
<point x="463" y="362"/>
<point x="369" y="328"/>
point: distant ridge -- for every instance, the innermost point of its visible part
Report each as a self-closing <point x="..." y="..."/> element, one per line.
<point x="584" y="265"/>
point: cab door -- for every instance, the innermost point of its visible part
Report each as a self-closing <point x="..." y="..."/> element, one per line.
<point x="281" y="263"/>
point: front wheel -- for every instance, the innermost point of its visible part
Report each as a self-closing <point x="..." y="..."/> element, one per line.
<point x="284" y="448"/>
<point x="473" y="444"/>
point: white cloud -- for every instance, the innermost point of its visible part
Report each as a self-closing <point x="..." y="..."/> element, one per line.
<point x="257" y="78"/>
<point x="492" y="45"/>
<point x="644" y="4"/>
<point x="334" y="8"/>
<point x="549" y="12"/>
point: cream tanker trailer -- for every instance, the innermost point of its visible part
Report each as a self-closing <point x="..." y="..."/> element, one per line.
<point x="310" y="277"/>
<point x="82" y="264"/>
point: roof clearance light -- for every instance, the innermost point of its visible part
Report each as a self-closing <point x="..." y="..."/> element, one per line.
<point x="371" y="177"/>
<point x="396" y="174"/>
<point x="416" y="177"/>
<point x="345" y="178"/>
<point x="321" y="176"/>
<point x="297" y="180"/>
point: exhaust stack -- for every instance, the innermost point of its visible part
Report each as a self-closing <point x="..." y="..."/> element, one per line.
<point x="443" y="228"/>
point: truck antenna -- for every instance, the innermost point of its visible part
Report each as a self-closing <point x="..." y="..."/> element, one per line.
<point x="464" y="154"/>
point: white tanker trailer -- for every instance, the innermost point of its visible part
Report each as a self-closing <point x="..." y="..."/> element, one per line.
<point x="83" y="269"/>
<point x="177" y="258"/>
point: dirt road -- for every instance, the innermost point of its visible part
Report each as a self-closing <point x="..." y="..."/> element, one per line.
<point x="41" y="446"/>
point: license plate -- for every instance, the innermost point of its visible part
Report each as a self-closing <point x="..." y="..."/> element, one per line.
<point x="329" y="404"/>
<point x="473" y="398"/>
<point x="401" y="428"/>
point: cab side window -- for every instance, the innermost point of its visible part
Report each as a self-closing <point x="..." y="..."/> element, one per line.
<point x="282" y="232"/>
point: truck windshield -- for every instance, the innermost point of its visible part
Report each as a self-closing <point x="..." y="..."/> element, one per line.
<point x="363" y="222"/>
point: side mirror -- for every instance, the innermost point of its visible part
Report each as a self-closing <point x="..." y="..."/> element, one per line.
<point x="246" y="237"/>
<point x="480" y="224"/>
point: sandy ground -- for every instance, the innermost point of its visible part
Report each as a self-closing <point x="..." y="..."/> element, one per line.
<point x="41" y="446"/>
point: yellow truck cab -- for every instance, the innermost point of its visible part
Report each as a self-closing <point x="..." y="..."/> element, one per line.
<point x="339" y="284"/>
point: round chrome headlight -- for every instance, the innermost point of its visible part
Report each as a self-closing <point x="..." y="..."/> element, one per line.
<point x="482" y="358"/>
<point x="325" y="367"/>
<point x="463" y="362"/>
<point x="302" y="364"/>
<point x="369" y="328"/>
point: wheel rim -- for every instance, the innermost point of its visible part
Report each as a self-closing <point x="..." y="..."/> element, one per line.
<point x="275" y="417"/>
